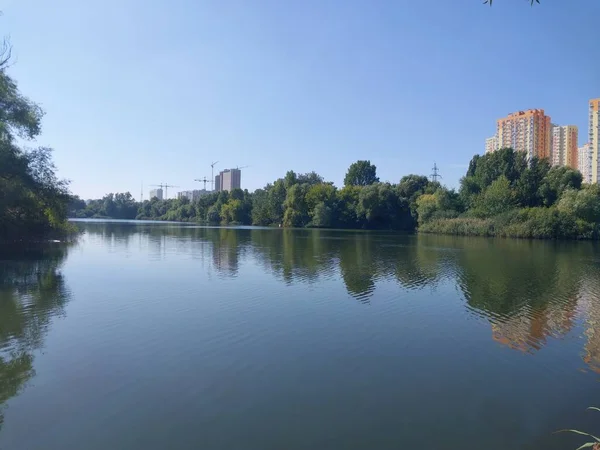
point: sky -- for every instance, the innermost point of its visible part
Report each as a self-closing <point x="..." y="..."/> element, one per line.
<point x="153" y="91"/>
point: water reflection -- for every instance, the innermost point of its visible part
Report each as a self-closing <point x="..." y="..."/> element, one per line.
<point x="528" y="291"/>
<point x="32" y="292"/>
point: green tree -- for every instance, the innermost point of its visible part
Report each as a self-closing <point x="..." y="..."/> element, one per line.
<point x="347" y="200"/>
<point x="497" y="198"/>
<point x="583" y="204"/>
<point x="412" y="186"/>
<point x="296" y="209"/>
<point x="276" y="199"/>
<point x="382" y="208"/>
<point x="556" y="181"/>
<point x="33" y="201"/>
<point x="361" y="173"/>
<point x="213" y="215"/>
<point x="260" y="207"/>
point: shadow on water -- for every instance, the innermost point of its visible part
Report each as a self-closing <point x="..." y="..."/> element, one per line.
<point x="32" y="292"/>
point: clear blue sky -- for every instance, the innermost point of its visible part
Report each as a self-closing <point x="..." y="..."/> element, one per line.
<point x="152" y="91"/>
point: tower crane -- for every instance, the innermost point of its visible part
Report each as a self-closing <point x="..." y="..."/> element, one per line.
<point x="212" y="174"/>
<point x="165" y="186"/>
<point x="203" y="180"/>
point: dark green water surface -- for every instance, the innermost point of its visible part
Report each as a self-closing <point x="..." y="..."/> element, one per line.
<point x="164" y="336"/>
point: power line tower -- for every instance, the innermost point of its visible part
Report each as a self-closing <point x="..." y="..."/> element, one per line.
<point x="203" y="180"/>
<point x="212" y="174"/>
<point x="435" y="175"/>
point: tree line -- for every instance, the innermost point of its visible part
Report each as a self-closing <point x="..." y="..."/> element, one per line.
<point x="502" y="194"/>
<point x="296" y="200"/>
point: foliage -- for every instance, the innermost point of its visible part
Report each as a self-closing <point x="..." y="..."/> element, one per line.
<point x="33" y="201"/>
<point x="115" y="206"/>
<point x="594" y="444"/>
<point x="504" y="194"/>
<point x="558" y="180"/>
<point x="497" y="198"/>
<point x="361" y="173"/>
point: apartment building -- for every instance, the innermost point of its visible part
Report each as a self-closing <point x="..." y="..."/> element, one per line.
<point x="192" y="195"/>
<point x="585" y="162"/>
<point x="228" y="180"/>
<point x="594" y="137"/>
<point x="491" y="144"/>
<point x="158" y="193"/>
<point x="527" y="131"/>
<point x="564" y="146"/>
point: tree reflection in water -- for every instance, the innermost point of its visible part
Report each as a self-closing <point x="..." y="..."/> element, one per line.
<point x="32" y="292"/>
<point x="529" y="291"/>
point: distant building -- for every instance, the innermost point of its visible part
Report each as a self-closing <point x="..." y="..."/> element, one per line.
<point x="564" y="146"/>
<point x="192" y="195"/>
<point x="228" y="180"/>
<point x="158" y="193"/>
<point x="491" y="144"/>
<point x="527" y="131"/>
<point x="585" y="162"/>
<point x="594" y="138"/>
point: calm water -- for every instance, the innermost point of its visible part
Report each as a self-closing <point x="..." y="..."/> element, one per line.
<point x="159" y="336"/>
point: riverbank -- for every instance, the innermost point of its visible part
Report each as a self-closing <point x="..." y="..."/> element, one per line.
<point x="527" y="223"/>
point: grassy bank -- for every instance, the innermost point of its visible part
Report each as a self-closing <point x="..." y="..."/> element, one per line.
<point x="528" y="223"/>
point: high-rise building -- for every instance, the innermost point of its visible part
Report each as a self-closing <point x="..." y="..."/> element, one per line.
<point x="564" y="146"/>
<point x="158" y="193"/>
<point x="192" y="195"/>
<point x="594" y="138"/>
<point x="585" y="162"/>
<point x="491" y="144"/>
<point x="228" y="180"/>
<point x="526" y="131"/>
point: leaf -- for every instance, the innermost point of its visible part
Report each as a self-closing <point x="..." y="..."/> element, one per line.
<point x="588" y="445"/>
<point x="579" y="432"/>
<point x="594" y="408"/>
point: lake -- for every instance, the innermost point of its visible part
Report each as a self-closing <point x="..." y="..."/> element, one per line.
<point x="170" y="336"/>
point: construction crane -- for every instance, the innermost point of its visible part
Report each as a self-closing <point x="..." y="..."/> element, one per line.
<point x="243" y="167"/>
<point x="165" y="186"/>
<point x="212" y="174"/>
<point x="203" y="180"/>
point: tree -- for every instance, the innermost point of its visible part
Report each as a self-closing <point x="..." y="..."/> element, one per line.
<point x="583" y="204"/>
<point x="347" y="207"/>
<point x="442" y="204"/>
<point x="296" y="210"/>
<point x="275" y="199"/>
<point x="556" y="181"/>
<point x="412" y="186"/>
<point x="497" y="198"/>
<point x="361" y="173"/>
<point x="322" y="216"/>
<point x="310" y="178"/>
<point x="33" y="201"/>
<point x="382" y="208"/>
